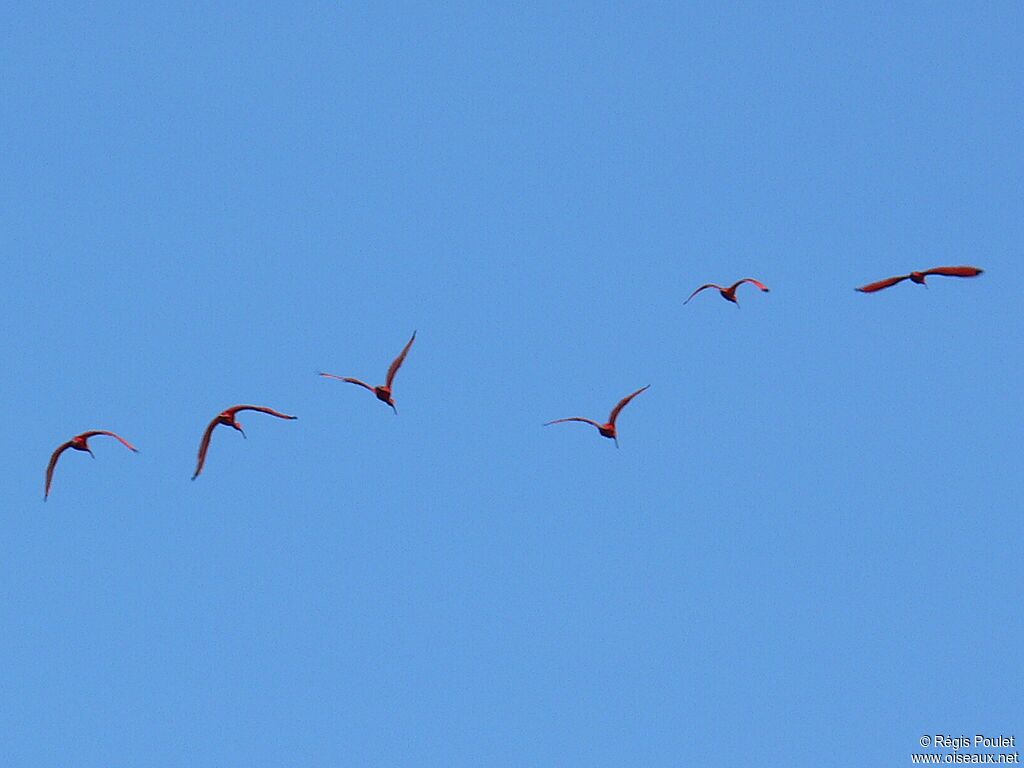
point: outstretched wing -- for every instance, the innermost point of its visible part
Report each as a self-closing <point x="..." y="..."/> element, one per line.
<point x="623" y="403"/>
<point x="124" y="442"/>
<point x="204" y="446"/>
<point x="53" y="463"/>
<point x="261" y="409"/>
<point x="349" y="380"/>
<point x="954" y="271"/>
<point x="574" y="418"/>
<point x="397" y="362"/>
<point x="872" y="287"/>
<point x="706" y="285"/>
<point x="758" y="283"/>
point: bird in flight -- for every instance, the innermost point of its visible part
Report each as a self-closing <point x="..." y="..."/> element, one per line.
<point x="729" y="294"/>
<point x="78" y="443"/>
<point x="606" y="430"/>
<point x="229" y="418"/>
<point x="383" y="393"/>
<point x="918" y="277"/>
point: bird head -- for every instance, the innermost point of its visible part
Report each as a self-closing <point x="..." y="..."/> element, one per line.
<point x="238" y="427"/>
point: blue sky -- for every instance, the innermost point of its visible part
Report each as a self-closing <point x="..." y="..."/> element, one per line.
<point x="806" y="551"/>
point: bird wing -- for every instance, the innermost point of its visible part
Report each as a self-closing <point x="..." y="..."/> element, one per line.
<point x="203" y="446"/>
<point x="349" y="380"/>
<point x="53" y="463"/>
<point x="397" y="362"/>
<point x="751" y="280"/>
<point x="706" y="285"/>
<point x="126" y="444"/>
<point x="261" y="409"/>
<point x="575" y="418"/>
<point x="955" y="271"/>
<point x="623" y="403"/>
<point x="872" y="287"/>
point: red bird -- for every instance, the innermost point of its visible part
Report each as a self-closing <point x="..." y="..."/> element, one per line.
<point x="918" y="277"/>
<point x="229" y="418"/>
<point x="78" y="443"/>
<point x="729" y="294"/>
<point x="383" y="393"/>
<point x="606" y="430"/>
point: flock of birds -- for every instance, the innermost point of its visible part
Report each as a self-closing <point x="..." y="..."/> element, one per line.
<point x="229" y="417"/>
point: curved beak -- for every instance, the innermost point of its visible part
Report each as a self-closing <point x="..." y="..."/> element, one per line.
<point x="91" y="453"/>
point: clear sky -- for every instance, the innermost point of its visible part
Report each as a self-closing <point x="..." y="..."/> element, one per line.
<point x="806" y="552"/>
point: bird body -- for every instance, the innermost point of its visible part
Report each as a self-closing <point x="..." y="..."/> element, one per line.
<point x="382" y="392"/>
<point x="608" y="429"/>
<point x="384" y="395"/>
<point x="229" y="418"/>
<point x="729" y="292"/>
<point x="78" y="443"/>
<point x="919" y="277"/>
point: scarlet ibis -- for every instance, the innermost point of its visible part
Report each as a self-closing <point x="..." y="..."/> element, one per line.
<point x="918" y="277"/>
<point x="78" y="443"/>
<point x="729" y="294"/>
<point x="229" y="418"/>
<point x="383" y="393"/>
<point x="606" y="430"/>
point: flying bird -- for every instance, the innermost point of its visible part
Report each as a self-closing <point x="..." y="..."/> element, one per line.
<point x="606" y="430"/>
<point x="729" y="294"/>
<point x="918" y="277"/>
<point x="383" y="393"/>
<point x="78" y="443"/>
<point x="229" y="418"/>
